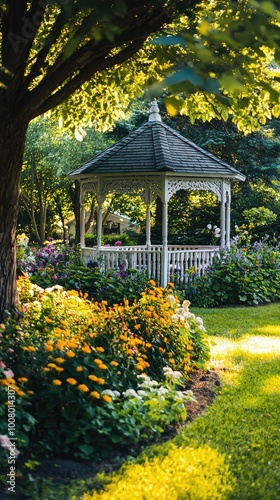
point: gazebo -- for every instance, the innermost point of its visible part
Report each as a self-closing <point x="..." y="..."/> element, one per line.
<point x="155" y="160"/>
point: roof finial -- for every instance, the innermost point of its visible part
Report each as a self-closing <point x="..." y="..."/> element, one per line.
<point x="154" y="113"/>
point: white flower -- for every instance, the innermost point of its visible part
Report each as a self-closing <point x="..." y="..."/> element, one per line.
<point x="174" y="375"/>
<point x="110" y="393"/>
<point x="141" y="393"/>
<point x="163" y="390"/>
<point x="171" y="299"/>
<point x="149" y="383"/>
<point x="209" y="226"/>
<point x="199" y="320"/>
<point x="186" y="304"/>
<point x="130" y="392"/>
<point x="143" y="375"/>
<point x="167" y="369"/>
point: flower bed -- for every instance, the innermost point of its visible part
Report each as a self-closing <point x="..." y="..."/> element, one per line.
<point x="88" y="376"/>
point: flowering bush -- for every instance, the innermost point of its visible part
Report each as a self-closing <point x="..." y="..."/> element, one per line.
<point x="61" y="264"/>
<point x="76" y="367"/>
<point x="247" y="274"/>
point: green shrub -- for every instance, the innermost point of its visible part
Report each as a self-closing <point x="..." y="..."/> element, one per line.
<point x="242" y="275"/>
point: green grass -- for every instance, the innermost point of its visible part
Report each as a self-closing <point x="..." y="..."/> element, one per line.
<point x="240" y="431"/>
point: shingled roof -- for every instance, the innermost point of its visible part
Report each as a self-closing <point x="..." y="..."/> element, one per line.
<point x="156" y="148"/>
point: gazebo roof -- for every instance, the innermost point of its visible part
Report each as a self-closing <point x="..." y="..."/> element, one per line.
<point x="155" y="148"/>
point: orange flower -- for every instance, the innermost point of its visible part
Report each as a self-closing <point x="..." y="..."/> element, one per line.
<point x="100" y="381"/>
<point x="59" y="360"/>
<point x="95" y="394"/>
<point x="98" y="361"/>
<point x="56" y="382"/>
<point x="48" y="347"/>
<point x="71" y="381"/>
<point x="22" y="379"/>
<point x="94" y="378"/>
<point x="114" y="363"/>
<point x="86" y="349"/>
<point x="79" y="368"/>
<point x="107" y="398"/>
<point x="102" y="366"/>
<point x="20" y="393"/>
<point x="137" y="326"/>
<point x="48" y="320"/>
<point x="99" y="349"/>
<point x="83" y="388"/>
<point x="70" y="354"/>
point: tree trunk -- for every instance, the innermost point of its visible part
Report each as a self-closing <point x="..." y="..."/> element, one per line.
<point x="12" y="139"/>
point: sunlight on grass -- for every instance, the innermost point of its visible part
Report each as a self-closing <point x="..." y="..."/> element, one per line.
<point x="272" y="385"/>
<point x="269" y="329"/>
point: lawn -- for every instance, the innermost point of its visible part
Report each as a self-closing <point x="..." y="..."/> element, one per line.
<point x="231" y="451"/>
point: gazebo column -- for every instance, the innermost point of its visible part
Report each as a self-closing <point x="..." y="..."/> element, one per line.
<point x="223" y="217"/>
<point x="82" y="216"/>
<point x="228" y="219"/>
<point x="99" y="220"/>
<point x="148" y="216"/>
<point x="164" y="254"/>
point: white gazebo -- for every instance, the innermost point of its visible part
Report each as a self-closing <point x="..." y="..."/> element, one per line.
<point x="155" y="160"/>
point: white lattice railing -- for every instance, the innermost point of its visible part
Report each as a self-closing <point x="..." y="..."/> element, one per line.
<point x="180" y="260"/>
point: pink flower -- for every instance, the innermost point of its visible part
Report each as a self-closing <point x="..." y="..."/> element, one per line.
<point x="118" y="243"/>
<point x="2" y="365"/>
<point x="8" y="373"/>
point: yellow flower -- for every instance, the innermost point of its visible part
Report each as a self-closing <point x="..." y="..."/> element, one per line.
<point x="70" y="354"/>
<point x="48" y="320"/>
<point x="152" y="283"/>
<point x="99" y="349"/>
<point x="94" y="378"/>
<point x="114" y="363"/>
<point x="170" y="284"/>
<point x="140" y="367"/>
<point x="59" y="369"/>
<point x="95" y="394"/>
<point x="22" y="379"/>
<point x="103" y="367"/>
<point x="137" y="326"/>
<point x="148" y="345"/>
<point x="79" y="368"/>
<point x="31" y="348"/>
<point x="71" y="381"/>
<point x="86" y="349"/>
<point x="107" y="398"/>
<point x="100" y="381"/>
<point x="59" y="360"/>
<point x="20" y="393"/>
<point x="83" y="388"/>
<point x="30" y="392"/>
<point x="56" y="382"/>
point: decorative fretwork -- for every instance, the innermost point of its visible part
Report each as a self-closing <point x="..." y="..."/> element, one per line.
<point x="89" y="186"/>
<point x="174" y="185"/>
<point x="124" y="186"/>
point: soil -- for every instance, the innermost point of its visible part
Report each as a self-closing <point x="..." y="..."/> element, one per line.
<point x="204" y="385"/>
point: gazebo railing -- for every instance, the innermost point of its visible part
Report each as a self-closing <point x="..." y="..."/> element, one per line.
<point x="182" y="261"/>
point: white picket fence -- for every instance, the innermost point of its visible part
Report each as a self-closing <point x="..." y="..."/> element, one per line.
<point x="182" y="261"/>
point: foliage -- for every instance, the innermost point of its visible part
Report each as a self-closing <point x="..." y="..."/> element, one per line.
<point x="89" y="377"/>
<point x="245" y="274"/>
<point x="61" y="264"/>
